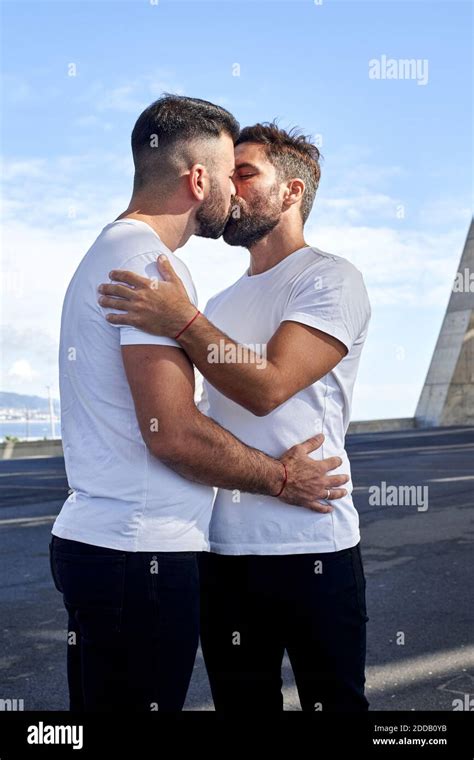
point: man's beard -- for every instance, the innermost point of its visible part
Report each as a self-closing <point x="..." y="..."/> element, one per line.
<point x="212" y="215"/>
<point x="247" y="226"/>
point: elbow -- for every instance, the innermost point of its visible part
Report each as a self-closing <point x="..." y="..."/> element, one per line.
<point x="264" y="405"/>
<point x="263" y="396"/>
<point x="169" y="450"/>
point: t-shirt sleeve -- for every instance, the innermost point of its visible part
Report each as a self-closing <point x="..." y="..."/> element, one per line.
<point x="334" y="301"/>
<point x="145" y="265"/>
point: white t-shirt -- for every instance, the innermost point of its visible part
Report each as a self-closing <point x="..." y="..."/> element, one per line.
<point x="123" y="497"/>
<point x="322" y="291"/>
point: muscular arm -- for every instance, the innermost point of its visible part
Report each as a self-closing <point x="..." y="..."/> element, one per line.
<point x="295" y="357"/>
<point x="161" y="380"/>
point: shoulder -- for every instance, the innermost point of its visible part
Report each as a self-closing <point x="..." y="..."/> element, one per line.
<point x="139" y="246"/>
<point x="330" y="273"/>
<point x="136" y="248"/>
<point x="330" y="285"/>
<point x="335" y="267"/>
<point x="121" y="244"/>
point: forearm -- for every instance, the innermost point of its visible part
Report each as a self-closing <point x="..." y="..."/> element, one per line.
<point x="238" y="372"/>
<point x="207" y="453"/>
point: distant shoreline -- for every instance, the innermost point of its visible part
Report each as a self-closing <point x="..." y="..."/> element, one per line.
<point x="29" y="430"/>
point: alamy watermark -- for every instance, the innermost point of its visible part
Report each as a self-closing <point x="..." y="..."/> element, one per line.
<point x="384" y="495"/>
<point x="464" y="282"/>
<point x="237" y="353"/>
<point x="399" y="68"/>
<point x="48" y="734"/>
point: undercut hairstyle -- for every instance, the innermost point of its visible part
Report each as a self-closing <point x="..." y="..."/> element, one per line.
<point x="161" y="132"/>
<point x="292" y="154"/>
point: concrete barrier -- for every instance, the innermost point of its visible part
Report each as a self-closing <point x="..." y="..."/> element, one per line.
<point x="54" y="447"/>
<point x="382" y="426"/>
<point x="31" y="449"/>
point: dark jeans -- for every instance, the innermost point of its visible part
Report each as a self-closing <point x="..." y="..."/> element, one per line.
<point x="254" y="607"/>
<point x="133" y="625"/>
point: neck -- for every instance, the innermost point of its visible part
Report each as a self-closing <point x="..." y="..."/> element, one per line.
<point x="174" y="229"/>
<point x="274" y="248"/>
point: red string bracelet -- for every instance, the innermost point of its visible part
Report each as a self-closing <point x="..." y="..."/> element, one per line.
<point x="186" y="326"/>
<point x="284" y="482"/>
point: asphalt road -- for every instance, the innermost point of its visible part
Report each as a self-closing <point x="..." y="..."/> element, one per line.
<point x="417" y="554"/>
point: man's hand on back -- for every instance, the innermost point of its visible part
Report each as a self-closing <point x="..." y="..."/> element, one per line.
<point x="308" y="479"/>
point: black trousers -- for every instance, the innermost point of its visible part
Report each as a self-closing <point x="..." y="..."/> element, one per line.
<point x="254" y="607"/>
<point x="133" y="627"/>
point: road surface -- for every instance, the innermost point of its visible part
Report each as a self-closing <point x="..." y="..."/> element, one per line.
<point x="418" y="561"/>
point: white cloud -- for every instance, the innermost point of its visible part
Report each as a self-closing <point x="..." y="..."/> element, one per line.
<point x="94" y="122"/>
<point x="66" y="191"/>
<point x="131" y="96"/>
<point x="361" y="176"/>
<point x="444" y="211"/>
<point x="36" y="345"/>
<point x="22" y="372"/>
<point x="23" y="169"/>
<point x="400" y="265"/>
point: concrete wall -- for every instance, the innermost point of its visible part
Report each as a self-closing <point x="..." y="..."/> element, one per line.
<point x="448" y="393"/>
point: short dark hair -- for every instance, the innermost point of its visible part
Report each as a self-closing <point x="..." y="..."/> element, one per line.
<point x="173" y="119"/>
<point x="291" y="153"/>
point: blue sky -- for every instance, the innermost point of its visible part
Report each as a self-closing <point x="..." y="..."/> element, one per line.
<point x="395" y="193"/>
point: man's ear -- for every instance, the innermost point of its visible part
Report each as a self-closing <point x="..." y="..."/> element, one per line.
<point x="294" y="191"/>
<point x="198" y="181"/>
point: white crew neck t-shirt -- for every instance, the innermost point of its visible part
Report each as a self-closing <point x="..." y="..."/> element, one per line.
<point x="328" y="293"/>
<point x="123" y="497"/>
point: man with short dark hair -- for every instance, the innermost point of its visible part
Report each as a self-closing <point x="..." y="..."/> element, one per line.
<point x="140" y="457"/>
<point x="276" y="578"/>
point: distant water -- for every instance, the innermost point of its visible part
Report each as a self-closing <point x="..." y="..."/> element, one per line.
<point x="28" y="430"/>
